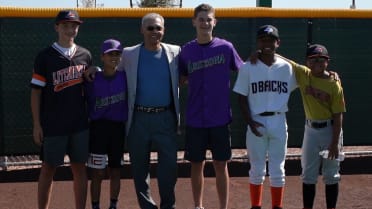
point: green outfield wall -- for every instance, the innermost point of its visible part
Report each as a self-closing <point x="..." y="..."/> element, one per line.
<point x="346" y="33"/>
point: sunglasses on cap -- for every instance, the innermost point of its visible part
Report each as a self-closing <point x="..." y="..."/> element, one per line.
<point x="152" y="28"/>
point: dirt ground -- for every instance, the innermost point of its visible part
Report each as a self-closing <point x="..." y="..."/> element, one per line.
<point x="355" y="193"/>
<point x="18" y="187"/>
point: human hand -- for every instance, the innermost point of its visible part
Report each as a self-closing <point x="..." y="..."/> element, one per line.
<point x="183" y="80"/>
<point x="38" y="135"/>
<point x="333" y="151"/>
<point x="334" y="75"/>
<point x="90" y="73"/>
<point x="254" y="56"/>
<point x="254" y="125"/>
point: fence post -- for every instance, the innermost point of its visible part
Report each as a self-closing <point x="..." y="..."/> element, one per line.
<point x="309" y="32"/>
<point x="2" y="143"/>
<point x="264" y="3"/>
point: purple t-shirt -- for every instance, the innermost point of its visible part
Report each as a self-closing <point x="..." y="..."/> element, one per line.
<point x="208" y="69"/>
<point x="107" y="97"/>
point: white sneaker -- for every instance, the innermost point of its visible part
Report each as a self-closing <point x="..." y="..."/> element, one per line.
<point x="199" y="208"/>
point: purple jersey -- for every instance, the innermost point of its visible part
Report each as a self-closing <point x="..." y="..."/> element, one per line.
<point x="107" y="97"/>
<point x="208" y="70"/>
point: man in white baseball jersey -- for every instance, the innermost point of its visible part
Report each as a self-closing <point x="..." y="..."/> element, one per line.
<point x="264" y="89"/>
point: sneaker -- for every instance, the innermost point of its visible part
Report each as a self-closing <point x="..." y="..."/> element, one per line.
<point x="112" y="207"/>
<point x="199" y="208"/>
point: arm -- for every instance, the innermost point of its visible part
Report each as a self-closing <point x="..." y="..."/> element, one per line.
<point x="334" y="146"/>
<point x="182" y="72"/>
<point x="297" y="68"/>
<point x="293" y="63"/>
<point x="246" y="111"/>
<point x="35" y="110"/>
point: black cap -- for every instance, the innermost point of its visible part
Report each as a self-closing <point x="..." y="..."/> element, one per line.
<point x="68" y="16"/>
<point x="317" y="50"/>
<point x="268" y="30"/>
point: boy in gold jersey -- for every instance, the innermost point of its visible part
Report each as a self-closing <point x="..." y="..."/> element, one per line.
<point x="324" y="105"/>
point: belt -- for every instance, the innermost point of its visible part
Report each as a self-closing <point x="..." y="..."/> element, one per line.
<point x="319" y="125"/>
<point x="268" y="113"/>
<point x="140" y="108"/>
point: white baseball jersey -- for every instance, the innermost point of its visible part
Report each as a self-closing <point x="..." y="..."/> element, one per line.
<point x="267" y="87"/>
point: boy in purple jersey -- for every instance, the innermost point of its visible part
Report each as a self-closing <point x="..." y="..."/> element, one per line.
<point x="108" y="112"/>
<point x="60" y="120"/>
<point x="206" y="63"/>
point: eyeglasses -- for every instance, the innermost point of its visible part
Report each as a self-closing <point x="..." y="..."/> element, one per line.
<point x="318" y="59"/>
<point x="152" y="28"/>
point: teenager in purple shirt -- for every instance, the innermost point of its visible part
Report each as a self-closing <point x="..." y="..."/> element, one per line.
<point x="108" y="112"/>
<point x="206" y="63"/>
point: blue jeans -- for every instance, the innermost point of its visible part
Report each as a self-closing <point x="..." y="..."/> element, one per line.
<point x="154" y="130"/>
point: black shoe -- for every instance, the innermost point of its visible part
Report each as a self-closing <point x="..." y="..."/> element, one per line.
<point x="256" y="207"/>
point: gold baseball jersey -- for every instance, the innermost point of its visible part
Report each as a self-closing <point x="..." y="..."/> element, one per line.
<point x="321" y="97"/>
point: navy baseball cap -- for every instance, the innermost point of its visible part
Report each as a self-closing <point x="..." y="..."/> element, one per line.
<point x="268" y="30"/>
<point x="110" y="45"/>
<point x="68" y="16"/>
<point x="317" y="50"/>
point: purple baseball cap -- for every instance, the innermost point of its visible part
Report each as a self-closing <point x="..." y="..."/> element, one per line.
<point x="111" y="45"/>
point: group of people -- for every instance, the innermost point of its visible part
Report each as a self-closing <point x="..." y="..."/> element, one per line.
<point x="88" y="113"/>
